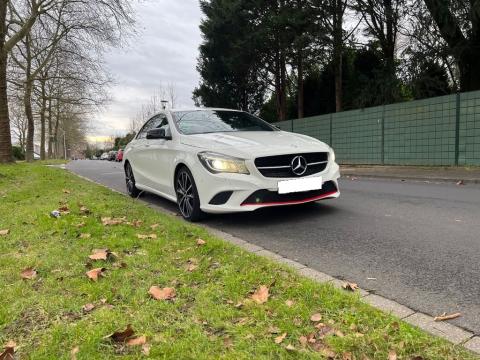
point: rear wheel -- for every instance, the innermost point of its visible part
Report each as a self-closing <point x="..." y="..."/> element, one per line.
<point x="187" y="196"/>
<point x="130" y="182"/>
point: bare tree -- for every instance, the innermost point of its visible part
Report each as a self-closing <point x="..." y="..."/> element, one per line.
<point x="16" y="20"/>
<point x="172" y="94"/>
<point x="37" y="29"/>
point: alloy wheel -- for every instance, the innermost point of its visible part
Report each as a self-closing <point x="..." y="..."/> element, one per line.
<point x="185" y="195"/>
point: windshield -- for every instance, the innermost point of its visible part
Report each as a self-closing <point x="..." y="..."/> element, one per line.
<point x="212" y="121"/>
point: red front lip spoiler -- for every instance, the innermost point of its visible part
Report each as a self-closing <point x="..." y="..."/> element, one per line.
<point x="293" y="202"/>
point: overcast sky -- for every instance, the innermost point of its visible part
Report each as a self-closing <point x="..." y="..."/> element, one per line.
<point x="164" y="51"/>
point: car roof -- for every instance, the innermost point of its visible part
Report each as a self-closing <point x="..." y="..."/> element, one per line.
<point x="202" y="109"/>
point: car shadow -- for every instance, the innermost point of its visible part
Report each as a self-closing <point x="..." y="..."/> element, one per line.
<point x="260" y="217"/>
<point x="275" y="215"/>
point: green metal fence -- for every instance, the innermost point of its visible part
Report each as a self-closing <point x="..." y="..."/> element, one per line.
<point x="443" y="130"/>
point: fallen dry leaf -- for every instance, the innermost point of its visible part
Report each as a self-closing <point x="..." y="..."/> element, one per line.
<point x="84" y="210"/>
<point x="392" y="355"/>
<point x="201" y="242"/>
<point x="289" y="303"/>
<point x="192" y="267"/>
<point x="122" y="336"/>
<point x="4" y="232"/>
<point x="444" y="316"/>
<point x="85" y="236"/>
<point x="88" y="307"/>
<point x="101" y="254"/>
<point x="29" y="274"/>
<point x="94" y="274"/>
<point x="316" y="317"/>
<point x="324" y="349"/>
<point x="324" y="331"/>
<point x="135" y="223"/>
<point x="347" y="356"/>
<point x="303" y="340"/>
<point x="273" y="330"/>
<point x="65" y="191"/>
<point x="136" y="341"/>
<point x="261" y="295"/>
<point x="227" y="342"/>
<point x="8" y="351"/>
<point x="146" y="349"/>
<point x="350" y="286"/>
<point x="64" y="209"/>
<point x="154" y="226"/>
<point x="108" y="221"/>
<point x="290" y="347"/>
<point x="148" y="236"/>
<point x="279" y="339"/>
<point x="162" y="293"/>
<point x="80" y="225"/>
<point x="74" y="352"/>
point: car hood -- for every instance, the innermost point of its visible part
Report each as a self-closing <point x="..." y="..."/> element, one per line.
<point x="251" y="144"/>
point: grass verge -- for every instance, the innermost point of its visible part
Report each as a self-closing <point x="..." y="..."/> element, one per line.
<point x="212" y="314"/>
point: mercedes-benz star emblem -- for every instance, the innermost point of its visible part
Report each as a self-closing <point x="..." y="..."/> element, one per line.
<point x="299" y="165"/>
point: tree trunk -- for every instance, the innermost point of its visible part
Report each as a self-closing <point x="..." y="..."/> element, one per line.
<point x="6" y="154"/>
<point x="27" y="103"/>
<point x="43" y="109"/>
<point x="55" y="133"/>
<point x="50" y="143"/>
<point x="301" y="112"/>
<point x="338" y="53"/>
<point x="469" y="68"/>
<point x="283" y="85"/>
<point x="279" y="89"/>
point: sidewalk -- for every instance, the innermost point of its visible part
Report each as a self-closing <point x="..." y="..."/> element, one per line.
<point x="469" y="175"/>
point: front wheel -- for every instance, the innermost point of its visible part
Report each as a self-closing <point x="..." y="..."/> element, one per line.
<point x="187" y="196"/>
<point x="132" y="190"/>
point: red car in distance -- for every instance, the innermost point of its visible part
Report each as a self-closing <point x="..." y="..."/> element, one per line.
<point x="119" y="156"/>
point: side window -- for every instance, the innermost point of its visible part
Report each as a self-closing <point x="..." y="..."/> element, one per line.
<point x="155" y="122"/>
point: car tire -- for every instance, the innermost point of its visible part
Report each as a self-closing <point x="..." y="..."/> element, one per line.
<point x="188" y="200"/>
<point x="132" y="190"/>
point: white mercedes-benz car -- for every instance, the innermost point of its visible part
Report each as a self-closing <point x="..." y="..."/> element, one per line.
<point x="221" y="161"/>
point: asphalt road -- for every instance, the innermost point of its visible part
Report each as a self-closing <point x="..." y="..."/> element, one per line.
<point x="413" y="242"/>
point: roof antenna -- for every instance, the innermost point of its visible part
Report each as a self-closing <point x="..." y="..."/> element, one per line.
<point x="164" y="104"/>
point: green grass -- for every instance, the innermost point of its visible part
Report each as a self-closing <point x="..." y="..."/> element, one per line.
<point x="44" y="316"/>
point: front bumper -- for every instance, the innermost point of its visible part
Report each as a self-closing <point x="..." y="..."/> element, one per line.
<point x="254" y="191"/>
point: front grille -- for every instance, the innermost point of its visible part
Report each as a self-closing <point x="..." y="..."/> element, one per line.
<point x="279" y="166"/>
<point x="267" y="197"/>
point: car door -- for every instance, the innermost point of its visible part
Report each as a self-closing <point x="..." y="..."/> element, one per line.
<point x="161" y="154"/>
<point x="138" y="156"/>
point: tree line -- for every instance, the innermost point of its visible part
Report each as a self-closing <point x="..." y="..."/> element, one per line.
<point x="286" y="59"/>
<point x="52" y="74"/>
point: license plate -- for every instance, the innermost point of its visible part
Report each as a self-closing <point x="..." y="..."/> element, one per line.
<point x="299" y="185"/>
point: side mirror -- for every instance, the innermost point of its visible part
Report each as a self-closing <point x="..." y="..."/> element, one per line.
<point x="157" y="134"/>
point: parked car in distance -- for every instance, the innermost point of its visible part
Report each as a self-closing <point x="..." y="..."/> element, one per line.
<point x="112" y="155"/>
<point x="224" y="161"/>
<point x="119" y="156"/>
<point x="104" y="156"/>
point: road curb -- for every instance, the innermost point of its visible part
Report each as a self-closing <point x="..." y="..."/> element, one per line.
<point x="409" y="178"/>
<point x="445" y="330"/>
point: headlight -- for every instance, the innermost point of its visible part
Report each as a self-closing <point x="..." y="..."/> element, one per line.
<point x="219" y="163"/>
<point x="332" y="155"/>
